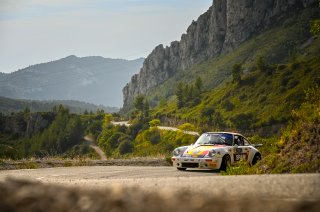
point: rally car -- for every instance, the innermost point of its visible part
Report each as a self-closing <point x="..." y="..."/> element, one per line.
<point x="216" y="150"/>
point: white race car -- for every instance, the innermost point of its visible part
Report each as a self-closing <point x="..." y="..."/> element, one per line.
<point x="216" y="150"/>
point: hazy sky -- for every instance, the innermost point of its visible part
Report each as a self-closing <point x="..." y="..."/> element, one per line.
<point x="35" y="31"/>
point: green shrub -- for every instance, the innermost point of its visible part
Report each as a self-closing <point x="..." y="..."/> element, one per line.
<point x="154" y="122"/>
<point x="114" y="140"/>
<point x="125" y="147"/>
<point x="227" y="105"/>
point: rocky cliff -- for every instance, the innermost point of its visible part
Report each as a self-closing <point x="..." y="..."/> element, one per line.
<point x="225" y="25"/>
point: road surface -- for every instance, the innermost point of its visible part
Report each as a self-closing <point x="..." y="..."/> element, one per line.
<point x="164" y="179"/>
<point x="126" y="123"/>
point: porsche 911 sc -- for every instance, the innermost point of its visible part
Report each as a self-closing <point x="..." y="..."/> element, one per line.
<point x="216" y="150"/>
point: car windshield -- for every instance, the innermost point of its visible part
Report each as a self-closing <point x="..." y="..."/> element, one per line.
<point x="215" y="138"/>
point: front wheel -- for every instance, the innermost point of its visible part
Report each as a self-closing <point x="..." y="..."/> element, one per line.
<point x="226" y="162"/>
<point x="181" y="169"/>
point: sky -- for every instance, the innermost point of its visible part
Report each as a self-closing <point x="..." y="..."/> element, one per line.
<point x="37" y="31"/>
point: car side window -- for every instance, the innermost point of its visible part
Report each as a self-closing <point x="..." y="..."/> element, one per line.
<point x="246" y="142"/>
<point x="228" y="139"/>
<point x="235" y="140"/>
<point x="241" y="141"/>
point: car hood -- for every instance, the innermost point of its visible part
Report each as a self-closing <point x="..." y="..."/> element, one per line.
<point x="199" y="151"/>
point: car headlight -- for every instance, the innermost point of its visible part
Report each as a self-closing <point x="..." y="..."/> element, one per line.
<point x="211" y="153"/>
<point x="179" y="151"/>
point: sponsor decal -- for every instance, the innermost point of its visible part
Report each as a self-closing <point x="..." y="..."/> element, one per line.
<point x="201" y="151"/>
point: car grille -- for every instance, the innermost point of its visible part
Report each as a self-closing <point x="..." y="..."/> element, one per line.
<point x="190" y="165"/>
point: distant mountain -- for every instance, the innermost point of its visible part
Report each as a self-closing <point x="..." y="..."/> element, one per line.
<point x="95" y="79"/>
<point x="8" y="105"/>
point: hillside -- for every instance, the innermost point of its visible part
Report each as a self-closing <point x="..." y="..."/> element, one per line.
<point x="217" y="33"/>
<point x="95" y="80"/>
<point x="8" y="105"/>
<point x="261" y="102"/>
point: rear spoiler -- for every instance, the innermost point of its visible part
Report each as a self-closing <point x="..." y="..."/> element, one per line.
<point x="257" y="145"/>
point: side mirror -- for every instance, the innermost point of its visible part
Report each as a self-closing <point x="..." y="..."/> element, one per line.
<point x="257" y="145"/>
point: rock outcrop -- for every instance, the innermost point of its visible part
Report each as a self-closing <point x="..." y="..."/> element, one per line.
<point x="226" y="25"/>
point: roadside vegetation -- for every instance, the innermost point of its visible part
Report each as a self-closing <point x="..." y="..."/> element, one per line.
<point x="297" y="150"/>
<point x="142" y="138"/>
<point x="47" y="134"/>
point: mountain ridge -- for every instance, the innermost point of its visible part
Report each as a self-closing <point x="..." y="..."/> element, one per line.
<point x="8" y="105"/>
<point x="91" y="79"/>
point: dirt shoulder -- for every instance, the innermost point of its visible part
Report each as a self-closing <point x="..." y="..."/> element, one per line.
<point x="95" y="147"/>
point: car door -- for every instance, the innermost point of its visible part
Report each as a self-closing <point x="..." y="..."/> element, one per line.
<point x="240" y="150"/>
<point x="248" y="150"/>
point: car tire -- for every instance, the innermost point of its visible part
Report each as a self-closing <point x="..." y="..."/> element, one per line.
<point x="181" y="169"/>
<point x="226" y="162"/>
<point x="256" y="158"/>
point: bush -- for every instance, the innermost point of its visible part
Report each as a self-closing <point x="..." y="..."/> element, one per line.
<point x="243" y="121"/>
<point x="263" y="98"/>
<point x="154" y="135"/>
<point x="285" y="80"/>
<point x="114" y="140"/>
<point x="154" y="122"/>
<point x="125" y="147"/>
<point x="227" y="105"/>
<point x="293" y="84"/>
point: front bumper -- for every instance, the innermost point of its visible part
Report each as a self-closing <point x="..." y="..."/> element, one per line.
<point x="200" y="163"/>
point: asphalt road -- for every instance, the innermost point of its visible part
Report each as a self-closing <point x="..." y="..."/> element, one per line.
<point x="165" y="179"/>
<point x="126" y="123"/>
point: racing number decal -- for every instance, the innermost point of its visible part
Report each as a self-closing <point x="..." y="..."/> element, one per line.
<point x="238" y="155"/>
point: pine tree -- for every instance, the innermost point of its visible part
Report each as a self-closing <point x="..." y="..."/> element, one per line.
<point x="199" y="85"/>
<point x="180" y="95"/>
